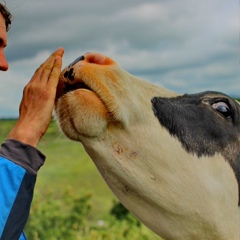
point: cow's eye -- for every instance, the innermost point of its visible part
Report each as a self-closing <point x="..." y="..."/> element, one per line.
<point x="222" y="108"/>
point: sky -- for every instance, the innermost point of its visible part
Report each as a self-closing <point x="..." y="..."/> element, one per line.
<point x="187" y="46"/>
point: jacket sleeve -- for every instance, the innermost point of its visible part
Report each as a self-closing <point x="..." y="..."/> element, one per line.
<point x="19" y="164"/>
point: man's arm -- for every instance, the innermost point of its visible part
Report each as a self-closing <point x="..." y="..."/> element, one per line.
<point x="37" y="104"/>
<point x="19" y="159"/>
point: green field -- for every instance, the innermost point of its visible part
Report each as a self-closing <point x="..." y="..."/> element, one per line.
<point x="68" y="168"/>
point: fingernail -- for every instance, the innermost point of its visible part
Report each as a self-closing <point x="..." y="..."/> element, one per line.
<point x="60" y="48"/>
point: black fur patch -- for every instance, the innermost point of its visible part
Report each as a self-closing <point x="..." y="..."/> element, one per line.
<point x="200" y="128"/>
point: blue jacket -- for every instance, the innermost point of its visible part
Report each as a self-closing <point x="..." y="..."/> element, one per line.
<point x="19" y="164"/>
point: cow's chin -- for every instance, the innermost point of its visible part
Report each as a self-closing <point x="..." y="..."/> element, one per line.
<point x="81" y="114"/>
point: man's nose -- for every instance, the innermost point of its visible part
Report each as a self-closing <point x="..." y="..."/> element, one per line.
<point x="3" y="62"/>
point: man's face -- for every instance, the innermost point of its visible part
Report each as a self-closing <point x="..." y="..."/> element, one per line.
<point x="3" y="44"/>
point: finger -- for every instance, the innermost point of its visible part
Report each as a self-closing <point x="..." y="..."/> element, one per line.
<point x="58" y="52"/>
<point x="55" y="73"/>
<point x="57" y="65"/>
<point x="42" y="73"/>
<point x="46" y="70"/>
<point x="50" y="60"/>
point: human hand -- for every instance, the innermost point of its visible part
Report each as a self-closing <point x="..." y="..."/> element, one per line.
<point x="36" y="107"/>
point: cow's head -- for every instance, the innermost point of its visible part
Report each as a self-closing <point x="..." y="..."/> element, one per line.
<point x="172" y="160"/>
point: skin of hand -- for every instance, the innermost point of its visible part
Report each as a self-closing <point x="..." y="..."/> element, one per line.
<point x="35" y="111"/>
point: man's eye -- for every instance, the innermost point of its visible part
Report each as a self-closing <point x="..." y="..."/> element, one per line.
<point x="222" y="108"/>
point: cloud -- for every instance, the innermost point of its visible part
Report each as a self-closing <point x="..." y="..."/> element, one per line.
<point x="187" y="46"/>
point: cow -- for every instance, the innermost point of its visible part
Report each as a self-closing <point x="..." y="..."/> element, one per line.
<point x="171" y="159"/>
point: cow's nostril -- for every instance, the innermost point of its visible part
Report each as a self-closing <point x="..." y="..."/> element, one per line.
<point x="69" y="74"/>
<point x="76" y="61"/>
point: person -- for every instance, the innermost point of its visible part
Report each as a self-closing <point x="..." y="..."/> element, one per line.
<point x="19" y="158"/>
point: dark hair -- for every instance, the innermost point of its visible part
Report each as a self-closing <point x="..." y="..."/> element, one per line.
<point x="6" y="15"/>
